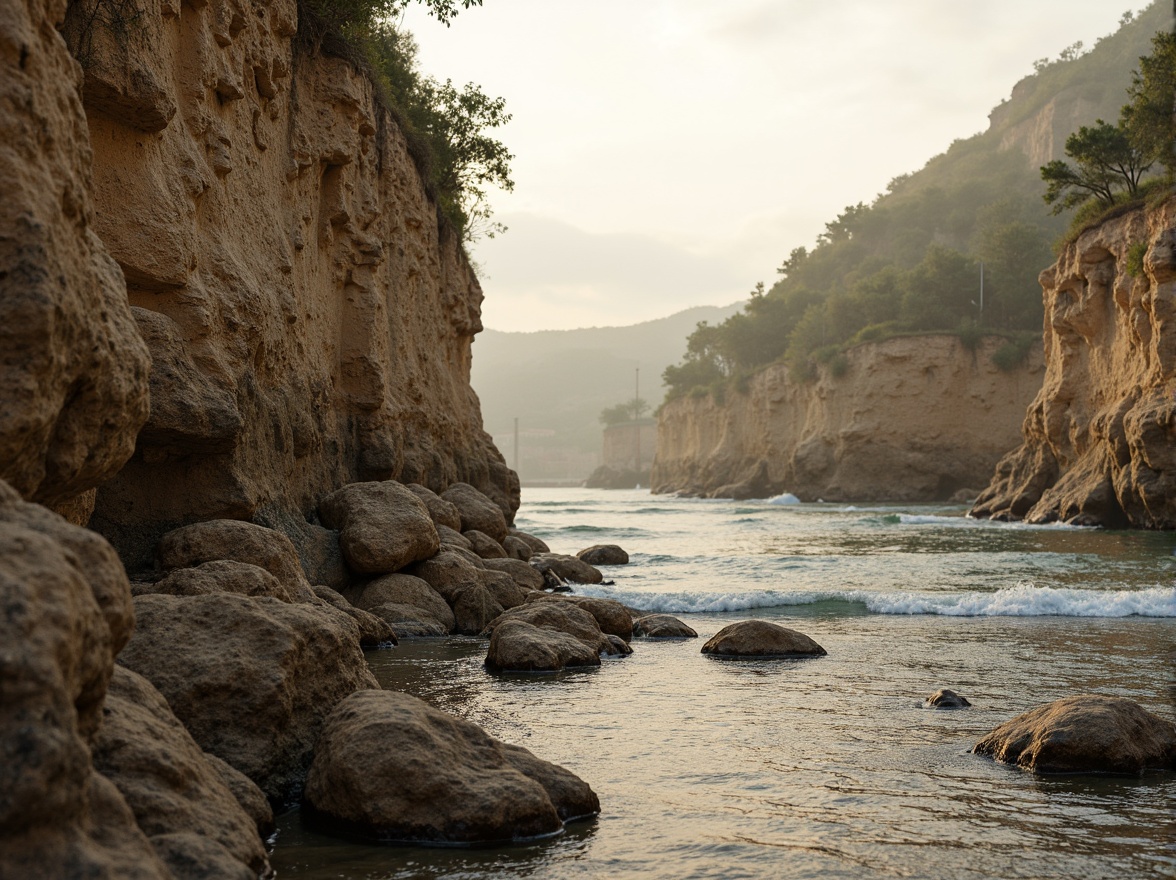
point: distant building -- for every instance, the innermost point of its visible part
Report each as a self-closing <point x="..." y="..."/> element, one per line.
<point x="629" y="446"/>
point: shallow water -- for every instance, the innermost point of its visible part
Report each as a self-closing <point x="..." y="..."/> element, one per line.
<point x="826" y="767"/>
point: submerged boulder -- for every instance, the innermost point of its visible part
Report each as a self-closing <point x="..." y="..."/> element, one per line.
<point x="251" y="679"/>
<point x="445" y="782"/>
<point x="604" y="554"/>
<point x="383" y="526"/>
<point x="1088" y="733"/>
<point x="662" y="626"/>
<point x="761" y="638"/>
<point x="567" y="568"/>
<point x="518" y="646"/>
<point x="946" y="699"/>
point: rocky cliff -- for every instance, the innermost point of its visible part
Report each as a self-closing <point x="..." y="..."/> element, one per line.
<point x="308" y="318"/>
<point x="909" y="419"/>
<point x="1099" y="440"/>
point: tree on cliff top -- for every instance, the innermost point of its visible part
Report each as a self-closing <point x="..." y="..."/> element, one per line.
<point x="1106" y="162"/>
<point x="447" y="128"/>
<point x="631" y="410"/>
<point x="1150" y="116"/>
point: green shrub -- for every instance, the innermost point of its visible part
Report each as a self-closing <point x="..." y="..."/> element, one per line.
<point x="970" y="334"/>
<point x="1135" y="255"/>
<point x="839" y="366"/>
<point x="1013" y="352"/>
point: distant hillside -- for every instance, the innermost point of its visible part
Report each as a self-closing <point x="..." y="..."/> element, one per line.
<point x="912" y="260"/>
<point x="556" y="382"/>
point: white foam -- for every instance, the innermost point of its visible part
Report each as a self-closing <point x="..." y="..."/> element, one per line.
<point x="1023" y="600"/>
<point x="784" y="498"/>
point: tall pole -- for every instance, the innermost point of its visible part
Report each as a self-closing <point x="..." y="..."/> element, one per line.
<point x="981" y="291"/>
<point x="516" y="446"/>
<point x="637" y="417"/>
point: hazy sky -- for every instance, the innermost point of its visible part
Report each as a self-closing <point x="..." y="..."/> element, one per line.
<point x="670" y="153"/>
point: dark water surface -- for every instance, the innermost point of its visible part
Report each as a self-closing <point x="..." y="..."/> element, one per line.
<point x="827" y="767"/>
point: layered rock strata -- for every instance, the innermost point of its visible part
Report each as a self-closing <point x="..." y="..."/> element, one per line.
<point x="909" y="419"/>
<point x="1098" y="443"/>
<point x="308" y="318"/>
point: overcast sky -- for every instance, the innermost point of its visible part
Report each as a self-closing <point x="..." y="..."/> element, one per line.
<point x="670" y="153"/>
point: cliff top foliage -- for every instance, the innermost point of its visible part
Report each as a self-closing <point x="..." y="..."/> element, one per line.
<point x="910" y="261"/>
<point x="447" y="128"/>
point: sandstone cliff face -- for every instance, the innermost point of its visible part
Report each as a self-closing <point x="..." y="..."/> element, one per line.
<point x="309" y="323"/>
<point x="73" y="370"/>
<point x="1099" y="440"/>
<point x="911" y="419"/>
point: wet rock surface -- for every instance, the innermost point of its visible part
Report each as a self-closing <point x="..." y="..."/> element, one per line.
<point x="604" y="554"/>
<point x="251" y="679"/>
<point x="760" y="638"/>
<point x="662" y="626"/>
<point x="1088" y="733"/>
<point x="455" y="784"/>
<point x="567" y="568"/>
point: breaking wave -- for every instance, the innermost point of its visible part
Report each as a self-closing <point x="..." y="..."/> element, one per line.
<point x="1023" y="600"/>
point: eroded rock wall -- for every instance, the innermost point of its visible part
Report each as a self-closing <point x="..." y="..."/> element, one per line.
<point x="73" y="370"/>
<point x="309" y="321"/>
<point x="1099" y="441"/>
<point x="910" y="419"/>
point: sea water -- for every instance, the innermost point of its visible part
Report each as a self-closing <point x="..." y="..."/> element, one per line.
<point x="826" y="767"/>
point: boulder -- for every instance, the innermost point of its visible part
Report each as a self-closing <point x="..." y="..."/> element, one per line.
<point x="1088" y="733"/>
<point x="619" y="647"/>
<point x="454" y="784"/>
<point x="517" y="548"/>
<point x="168" y="782"/>
<point x="451" y="538"/>
<point x="536" y="545"/>
<point x="524" y="575"/>
<point x="251" y="679"/>
<point x="412" y="621"/>
<point x="321" y="556"/>
<point x="447" y="573"/>
<point x="249" y="797"/>
<point x="477" y="511"/>
<point x="563" y="617"/>
<point x="760" y="638"/>
<point x="611" y="616"/>
<point x="604" y="554"/>
<point x="485" y="546"/>
<point x="374" y="632"/>
<point x="383" y="526"/>
<point x="218" y="576"/>
<point x="568" y="568"/>
<point x="503" y="588"/>
<point x="191" y="546"/>
<point x="67" y="611"/>
<point x="469" y="556"/>
<point x="474" y="607"/>
<point x="518" y="646"/>
<point x="401" y="590"/>
<point x="442" y="512"/>
<point x="662" y="626"/>
<point x="945" y="699"/>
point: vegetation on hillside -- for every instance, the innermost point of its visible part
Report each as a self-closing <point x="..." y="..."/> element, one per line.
<point x="629" y="411"/>
<point x="911" y="261"/>
<point x="448" y="129"/>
